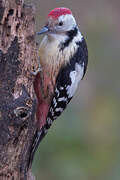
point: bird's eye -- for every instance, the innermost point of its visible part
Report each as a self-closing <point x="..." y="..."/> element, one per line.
<point x="60" y="23"/>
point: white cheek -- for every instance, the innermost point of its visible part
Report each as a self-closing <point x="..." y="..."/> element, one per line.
<point x="75" y="77"/>
<point x="58" y="38"/>
<point x="69" y="22"/>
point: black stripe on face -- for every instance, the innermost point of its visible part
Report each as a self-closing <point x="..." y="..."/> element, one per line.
<point x="71" y="34"/>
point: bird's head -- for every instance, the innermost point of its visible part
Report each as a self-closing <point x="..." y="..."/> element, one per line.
<point x="59" y="21"/>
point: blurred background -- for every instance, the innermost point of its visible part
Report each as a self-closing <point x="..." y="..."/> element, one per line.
<point x="84" y="143"/>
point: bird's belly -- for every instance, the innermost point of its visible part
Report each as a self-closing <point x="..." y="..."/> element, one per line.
<point x="43" y="91"/>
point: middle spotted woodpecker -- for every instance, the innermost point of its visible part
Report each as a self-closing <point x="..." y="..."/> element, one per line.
<point x="63" y="58"/>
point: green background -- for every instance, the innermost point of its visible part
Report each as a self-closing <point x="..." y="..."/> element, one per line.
<point x="84" y="143"/>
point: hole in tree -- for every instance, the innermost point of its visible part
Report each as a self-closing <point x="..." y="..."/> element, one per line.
<point x="11" y="11"/>
<point x="6" y="19"/>
<point x="9" y="27"/>
<point x="22" y="14"/>
<point x="17" y="27"/>
<point x="23" y="114"/>
<point x="17" y="13"/>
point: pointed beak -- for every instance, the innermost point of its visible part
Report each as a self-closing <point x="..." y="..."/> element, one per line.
<point x="44" y="30"/>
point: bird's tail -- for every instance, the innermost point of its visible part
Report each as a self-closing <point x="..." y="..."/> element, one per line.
<point x="39" y="135"/>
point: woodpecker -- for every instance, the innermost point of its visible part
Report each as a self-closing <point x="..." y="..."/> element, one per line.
<point x="63" y="58"/>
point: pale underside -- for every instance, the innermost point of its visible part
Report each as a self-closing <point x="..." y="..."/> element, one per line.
<point x="52" y="59"/>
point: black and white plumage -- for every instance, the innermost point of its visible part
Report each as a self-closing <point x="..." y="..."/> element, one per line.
<point x="71" y="46"/>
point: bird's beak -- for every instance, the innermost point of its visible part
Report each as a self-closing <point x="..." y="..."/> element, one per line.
<point x="44" y="30"/>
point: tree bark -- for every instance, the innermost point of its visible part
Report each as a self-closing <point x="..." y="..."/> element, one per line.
<point x="18" y="59"/>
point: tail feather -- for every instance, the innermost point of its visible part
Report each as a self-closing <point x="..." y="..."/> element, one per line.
<point x="37" y="139"/>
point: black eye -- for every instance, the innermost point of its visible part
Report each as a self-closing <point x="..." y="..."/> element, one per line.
<point x="60" y="23"/>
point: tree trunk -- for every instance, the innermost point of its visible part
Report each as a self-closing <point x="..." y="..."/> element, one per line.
<point x="18" y="59"/>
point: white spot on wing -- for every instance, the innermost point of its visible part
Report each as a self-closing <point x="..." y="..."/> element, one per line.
<point x="59" y="109"/>
<point x="61" y="88"/>
<point x="62" y="99"/>
<point x="56" y="90"/>
<point x="54" y="102"/>
<point x="52" y="111"/>
<point x="75" y="76"/>
<point x="45" y="130"/>
<point x="49" y="121"/>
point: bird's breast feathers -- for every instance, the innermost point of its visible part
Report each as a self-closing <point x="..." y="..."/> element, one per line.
<point x="72" y="58"/>
<point x="51" y="54"/>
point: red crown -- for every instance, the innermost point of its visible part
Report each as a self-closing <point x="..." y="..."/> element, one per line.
<point x="57" y="12"/>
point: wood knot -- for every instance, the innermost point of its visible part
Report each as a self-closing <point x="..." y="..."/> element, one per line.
<point x="22" y="112"/>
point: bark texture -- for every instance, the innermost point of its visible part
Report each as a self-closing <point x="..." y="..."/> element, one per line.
<point x="18" y="59"/>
